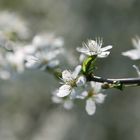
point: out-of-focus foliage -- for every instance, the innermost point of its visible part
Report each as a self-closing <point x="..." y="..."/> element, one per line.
<point x="26" y="110"/>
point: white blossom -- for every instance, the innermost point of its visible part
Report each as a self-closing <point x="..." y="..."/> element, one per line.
<point x="71" y="80"/>
<point x="134" y="54"/>
<point x="94" y="97"/>
<point x="10" y="23"/>
<point x="93" y="47"/>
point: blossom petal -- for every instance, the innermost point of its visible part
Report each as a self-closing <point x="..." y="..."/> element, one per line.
<point x="137" y="70"/>
<point x="82" y="58"/>
<point x="68" y="104"/>
<point x="82" y="50"/>
<point x="96" y="86"/>
<point x="106" y="48"/>
<point x="86" y="51"/>
<point x="136" y="42"/>
<point x="103" y="54"/>
<point x="73" y="94"/>
<point x="56" y="99"/>
<point x="76" y="71"/>
<point x="90" y="106"/>
<point x="53" y="63"/>
<point x="32" y="62"/>
<point x="99" y="98"/>
<point x="81" y="81"/>
<point x="83" y="95"/>
<point x="66" y="75"/>
<point x="132" y="54"/>
<point x="64" y="91"/>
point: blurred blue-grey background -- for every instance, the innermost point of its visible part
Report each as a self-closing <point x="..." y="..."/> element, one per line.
<point x="26" y="109"/>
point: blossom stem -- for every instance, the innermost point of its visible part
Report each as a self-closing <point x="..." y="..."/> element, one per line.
<point x="124" y="81"/>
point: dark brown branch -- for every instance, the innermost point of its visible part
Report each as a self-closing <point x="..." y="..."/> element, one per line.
<point x="125" y="81"/>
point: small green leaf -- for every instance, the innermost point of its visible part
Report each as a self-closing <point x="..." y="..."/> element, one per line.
<point x="88" y="64"/>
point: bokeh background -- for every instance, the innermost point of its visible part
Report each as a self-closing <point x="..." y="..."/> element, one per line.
<point x="26" y="109"/>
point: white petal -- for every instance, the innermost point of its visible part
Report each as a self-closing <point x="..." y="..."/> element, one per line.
<point x="137" y="70"/>
<point x="86" y="51"/>
<point x="49" y="55"/>
<point x="56" y="99"/>
<point x="99" y="98"/>
<point x="90" y="106"/>
<point x="53" y="63"/>
<point x="103" y="54"/>
<point x="64" y="91"/>
<point x="106" y="48"/>
<point x="90" y="53"/>
<point x="82" y="50"/>
<point x="96" y="86"/>
<point x="136" y="42"/>
<point x="81" y="81"/>
<point x="76" y="71"/>
<point x="29" y="49"/>
<point x="32" y="62"/>
<point x="73" y="94"/>
<point x="132" y="54"/>
<point x="83" y="95"/>
<point x="66" y="75"/>
<point x="68" y="104"/>
<point x="82" y="58"/>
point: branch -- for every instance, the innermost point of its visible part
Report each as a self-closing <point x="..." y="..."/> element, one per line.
<point x="125" y="81"/>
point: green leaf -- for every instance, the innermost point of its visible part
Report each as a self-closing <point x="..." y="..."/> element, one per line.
<point x="88" y="64"/>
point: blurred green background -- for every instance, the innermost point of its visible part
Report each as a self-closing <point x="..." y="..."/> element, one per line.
<point x="26" y="110"/>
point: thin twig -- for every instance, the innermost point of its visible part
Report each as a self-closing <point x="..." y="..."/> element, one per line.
<point x="125" y="81"/>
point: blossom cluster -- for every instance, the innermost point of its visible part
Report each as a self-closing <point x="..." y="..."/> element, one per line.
<point x="75" y="84"/>
<point x="17" y="55"/>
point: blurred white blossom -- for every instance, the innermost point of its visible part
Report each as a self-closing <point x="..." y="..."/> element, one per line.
<point x="5" y="42"/>
<point x="42" y="60"/>
<point x="11" y="23"/>
<point x="44" y="49"/>
<point x="40" y="53"/>
<point x="47" y="41"/>
<point x="134" y="54"/>
<point x="93" y="47"/>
